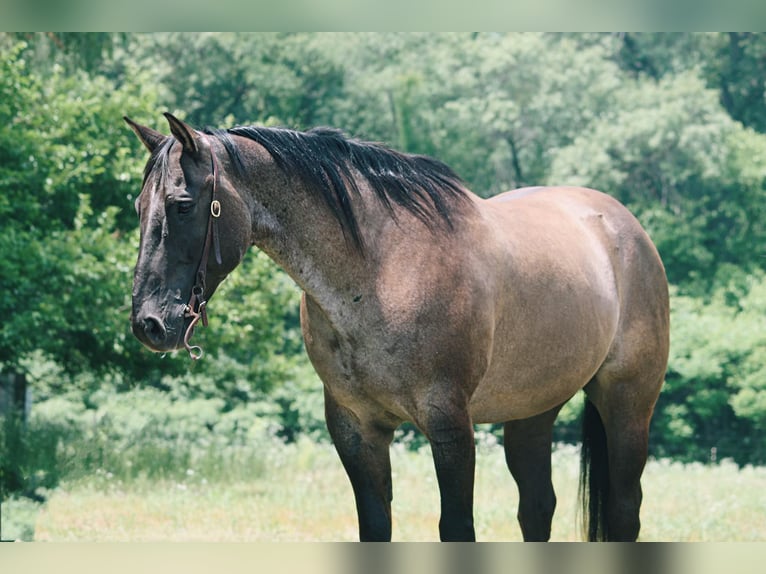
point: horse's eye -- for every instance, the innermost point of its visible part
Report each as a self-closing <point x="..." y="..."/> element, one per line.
<point x="185" y="207"/>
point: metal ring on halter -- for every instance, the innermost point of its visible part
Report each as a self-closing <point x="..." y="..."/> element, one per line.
<point x="195" y="352"/>
<point x="215" y="208"/>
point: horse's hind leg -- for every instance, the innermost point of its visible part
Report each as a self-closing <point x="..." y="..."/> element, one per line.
<point x="363" y="447"/>
<point x="626" y="413"/>
<point x="528" y="455"/>
<point x="627" y="445"/>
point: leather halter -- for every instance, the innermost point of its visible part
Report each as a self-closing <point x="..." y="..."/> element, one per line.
<point x="197" y="306"/>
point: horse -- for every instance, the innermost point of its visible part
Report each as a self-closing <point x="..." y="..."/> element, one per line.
<point x="422" y="303"/>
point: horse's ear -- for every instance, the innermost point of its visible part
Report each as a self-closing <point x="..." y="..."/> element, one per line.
<point x="151" y="139"/>
<point x="183" y="133"/>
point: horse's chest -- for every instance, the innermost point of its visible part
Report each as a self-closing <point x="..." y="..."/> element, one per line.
<point x="358" y="375"/>
<point x="358" y="368"/>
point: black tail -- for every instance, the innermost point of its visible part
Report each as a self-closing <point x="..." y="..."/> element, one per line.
<point x="594" y="475"/>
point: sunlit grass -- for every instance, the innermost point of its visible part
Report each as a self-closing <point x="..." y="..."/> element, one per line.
<point x="304" y="495"/>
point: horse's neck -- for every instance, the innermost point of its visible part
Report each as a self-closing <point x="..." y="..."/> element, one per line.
<point x="300" y="234"/>
<point x="328" y="275"/>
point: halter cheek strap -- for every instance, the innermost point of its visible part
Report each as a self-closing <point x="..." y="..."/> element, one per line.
<point x="196" y="308"/>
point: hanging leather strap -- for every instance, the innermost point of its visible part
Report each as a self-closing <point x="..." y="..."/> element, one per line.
<point x="197" y="306"/>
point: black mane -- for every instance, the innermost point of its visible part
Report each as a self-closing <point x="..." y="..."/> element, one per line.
<point x="324" y="158"/>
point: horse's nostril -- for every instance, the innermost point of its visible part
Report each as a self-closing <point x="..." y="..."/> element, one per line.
<point x="154" y="329"/>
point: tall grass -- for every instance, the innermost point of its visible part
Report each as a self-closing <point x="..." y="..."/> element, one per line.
<point x="137" y="440"/>
<point x="139" y="468"/>
<point x="299" y="492"/>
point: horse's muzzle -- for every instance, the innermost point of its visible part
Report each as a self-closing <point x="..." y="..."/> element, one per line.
<point x="154" y="333"/>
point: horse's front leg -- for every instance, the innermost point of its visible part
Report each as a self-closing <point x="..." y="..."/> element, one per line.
<point x="448" y="427"/>
<point x="363" y="447"/>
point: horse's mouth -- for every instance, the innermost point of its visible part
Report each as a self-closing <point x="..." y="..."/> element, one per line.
<point x="157" y="335"/>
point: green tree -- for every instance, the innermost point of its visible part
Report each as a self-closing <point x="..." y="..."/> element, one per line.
<point x="715" y="391"/>
<point x="493" y="106"/>
<point x="739" y="72"/>
<point x="74" y="50"/>
<point x="221" y="79"/>
<point x="693" y="175"/>
<point x="733" y="64"/>
<point x="67" y="181"/>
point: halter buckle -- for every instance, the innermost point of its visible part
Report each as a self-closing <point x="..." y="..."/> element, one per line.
<point x="215" y="208"/>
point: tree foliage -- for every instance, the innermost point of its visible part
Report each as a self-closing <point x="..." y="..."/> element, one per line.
<point x="692" y="174"/>
<point x="715" y="390"/>
<point x="67" y="180"/>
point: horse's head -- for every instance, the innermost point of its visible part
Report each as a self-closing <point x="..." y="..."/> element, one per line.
<point x="194" y="230"/>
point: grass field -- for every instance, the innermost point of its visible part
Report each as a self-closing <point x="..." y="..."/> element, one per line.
<point x="304" y="495"/>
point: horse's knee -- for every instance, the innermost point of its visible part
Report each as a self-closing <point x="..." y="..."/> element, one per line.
<point x="449" y="432"/>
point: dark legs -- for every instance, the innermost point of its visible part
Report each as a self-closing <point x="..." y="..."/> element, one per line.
<point x="363" y="449"/>
<point x="625" y="439"/>
<point x="528" y="455"/>
<point x="627" y="447"/>
<point x="450" y="433"/>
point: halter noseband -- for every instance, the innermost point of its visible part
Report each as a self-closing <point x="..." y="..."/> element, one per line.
<point x="196" y="308"/>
